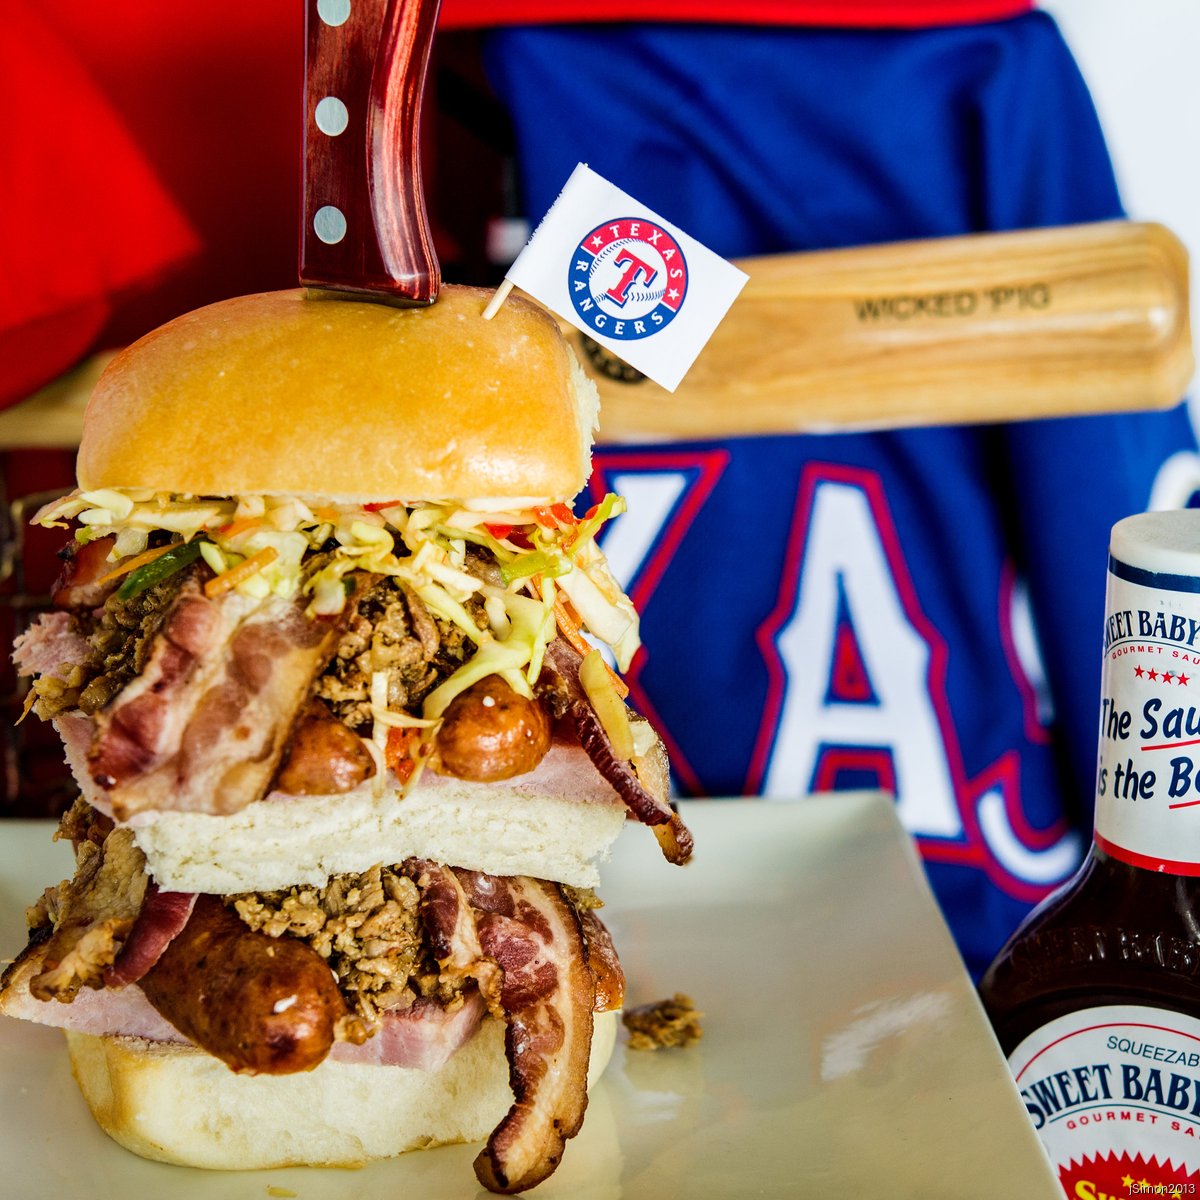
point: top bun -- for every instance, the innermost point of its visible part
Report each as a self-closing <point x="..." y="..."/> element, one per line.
<point x="282" y="393"/>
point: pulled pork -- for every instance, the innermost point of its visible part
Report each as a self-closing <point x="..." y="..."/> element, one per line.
<point x="119" y="635"/>
<point x="393" y="631"/>
<point x="674" y="1022"/>
<point x="366" y="927"/>
<point x="88" y="918"/>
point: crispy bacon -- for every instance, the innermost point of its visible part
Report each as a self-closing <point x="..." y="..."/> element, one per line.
<point x="601" y="957"/>
<point x="446" y="918"/>
<point x="673" y="835"/>
<point x="162" y="917"/>
<point x="203" y="727"/>
<point x="546" y="992"/>
<point x="84" y="565"/>
<point x="522" y="941"/>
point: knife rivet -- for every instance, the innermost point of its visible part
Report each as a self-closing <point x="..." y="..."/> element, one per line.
<point x="333" y="12"/>
<point x="331" y="116"/>
<point x="329" y="224"/>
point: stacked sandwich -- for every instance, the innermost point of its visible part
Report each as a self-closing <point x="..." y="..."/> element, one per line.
<point x="324" y="659"/>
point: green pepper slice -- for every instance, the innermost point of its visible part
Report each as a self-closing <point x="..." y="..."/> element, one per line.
<point x="164" y="566"/>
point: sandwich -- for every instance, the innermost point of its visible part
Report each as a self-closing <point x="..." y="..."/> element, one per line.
<point x="337" y="669"/>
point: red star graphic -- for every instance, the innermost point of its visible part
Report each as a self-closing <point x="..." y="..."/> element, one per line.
<point x="1153" y="673"/>
<point x="1182" y="681"/>
<point x="1138" y="672"/>
<point x="1167" y="677"/>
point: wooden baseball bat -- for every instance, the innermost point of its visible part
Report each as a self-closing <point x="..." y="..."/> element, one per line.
<point x="983" y="328"/>
<point x="989" y="327"/>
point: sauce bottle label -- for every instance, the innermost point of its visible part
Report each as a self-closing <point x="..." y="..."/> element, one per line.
<point x="1114" y="1093"/>
<point x="1148" y="775"/>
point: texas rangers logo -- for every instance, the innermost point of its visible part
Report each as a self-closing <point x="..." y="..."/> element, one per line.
<point x="628" y="278"/>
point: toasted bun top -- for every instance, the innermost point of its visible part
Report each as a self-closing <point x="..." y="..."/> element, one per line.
<point x="282" y="393"/>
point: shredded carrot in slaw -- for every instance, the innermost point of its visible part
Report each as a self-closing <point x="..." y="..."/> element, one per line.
<point x="569" y="628"/>
<point x="235" y="575"/>
<point x="239" y="526"/>
<point x="138" y="560"/>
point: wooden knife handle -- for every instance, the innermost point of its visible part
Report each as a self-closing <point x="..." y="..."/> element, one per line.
<point x="983" y="328"/>
<point x="364" y="227"/>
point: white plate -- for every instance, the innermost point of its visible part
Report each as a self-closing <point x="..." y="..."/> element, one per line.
<point x="844" y="1051"/>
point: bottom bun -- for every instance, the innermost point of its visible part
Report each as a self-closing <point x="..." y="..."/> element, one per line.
<point x="177" y="1104"/>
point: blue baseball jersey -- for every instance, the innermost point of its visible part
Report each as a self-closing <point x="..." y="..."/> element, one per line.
<point x="917" y="610"/>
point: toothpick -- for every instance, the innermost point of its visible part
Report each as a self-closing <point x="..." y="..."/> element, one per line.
<point x="498" y="298"/>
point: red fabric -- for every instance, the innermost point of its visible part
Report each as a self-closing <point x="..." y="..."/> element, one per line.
<point x="85" y="216"/>
<point x="211" y="94"/>
<point x="108" y="247"/>
<point x="893" y="14"/>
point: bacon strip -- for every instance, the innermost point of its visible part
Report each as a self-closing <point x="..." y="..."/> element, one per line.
<point x="546" y="992"/>
<point x="203" y="727"/>
<point x="673" y="835"/>
<point x="84" y="566"/>
<point x="601" y="957"/>
<point x="162" y="917"/>
<point x="446" y="916"/>
<point x="523" y="942"/>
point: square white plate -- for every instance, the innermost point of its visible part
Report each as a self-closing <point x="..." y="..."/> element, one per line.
<point x="844" y="1054"/>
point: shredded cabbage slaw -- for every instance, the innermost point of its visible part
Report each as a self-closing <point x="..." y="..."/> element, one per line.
<point x="256" y="545"/>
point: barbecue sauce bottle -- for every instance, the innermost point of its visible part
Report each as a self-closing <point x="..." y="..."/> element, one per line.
<point x="1096" y="997"/>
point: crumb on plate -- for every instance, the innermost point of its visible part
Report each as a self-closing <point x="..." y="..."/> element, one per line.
<point x="674" y="1022"/>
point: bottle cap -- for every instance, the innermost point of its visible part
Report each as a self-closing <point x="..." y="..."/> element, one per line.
<point x="1165" y="543"/>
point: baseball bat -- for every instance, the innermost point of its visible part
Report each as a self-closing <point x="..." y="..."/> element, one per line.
<point x="960" y="330"/>
<point x="984" y="328"/>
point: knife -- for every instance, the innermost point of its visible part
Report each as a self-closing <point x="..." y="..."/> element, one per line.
<point x="364" y="229"/>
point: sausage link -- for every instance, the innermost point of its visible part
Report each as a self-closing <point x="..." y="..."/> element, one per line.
<point x="490" y="733"/>
<point x="262" y="1005"/>
<point x="323" y="757"/>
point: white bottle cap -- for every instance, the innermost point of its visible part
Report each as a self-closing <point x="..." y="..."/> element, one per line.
<point x="1165" y="543"/>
